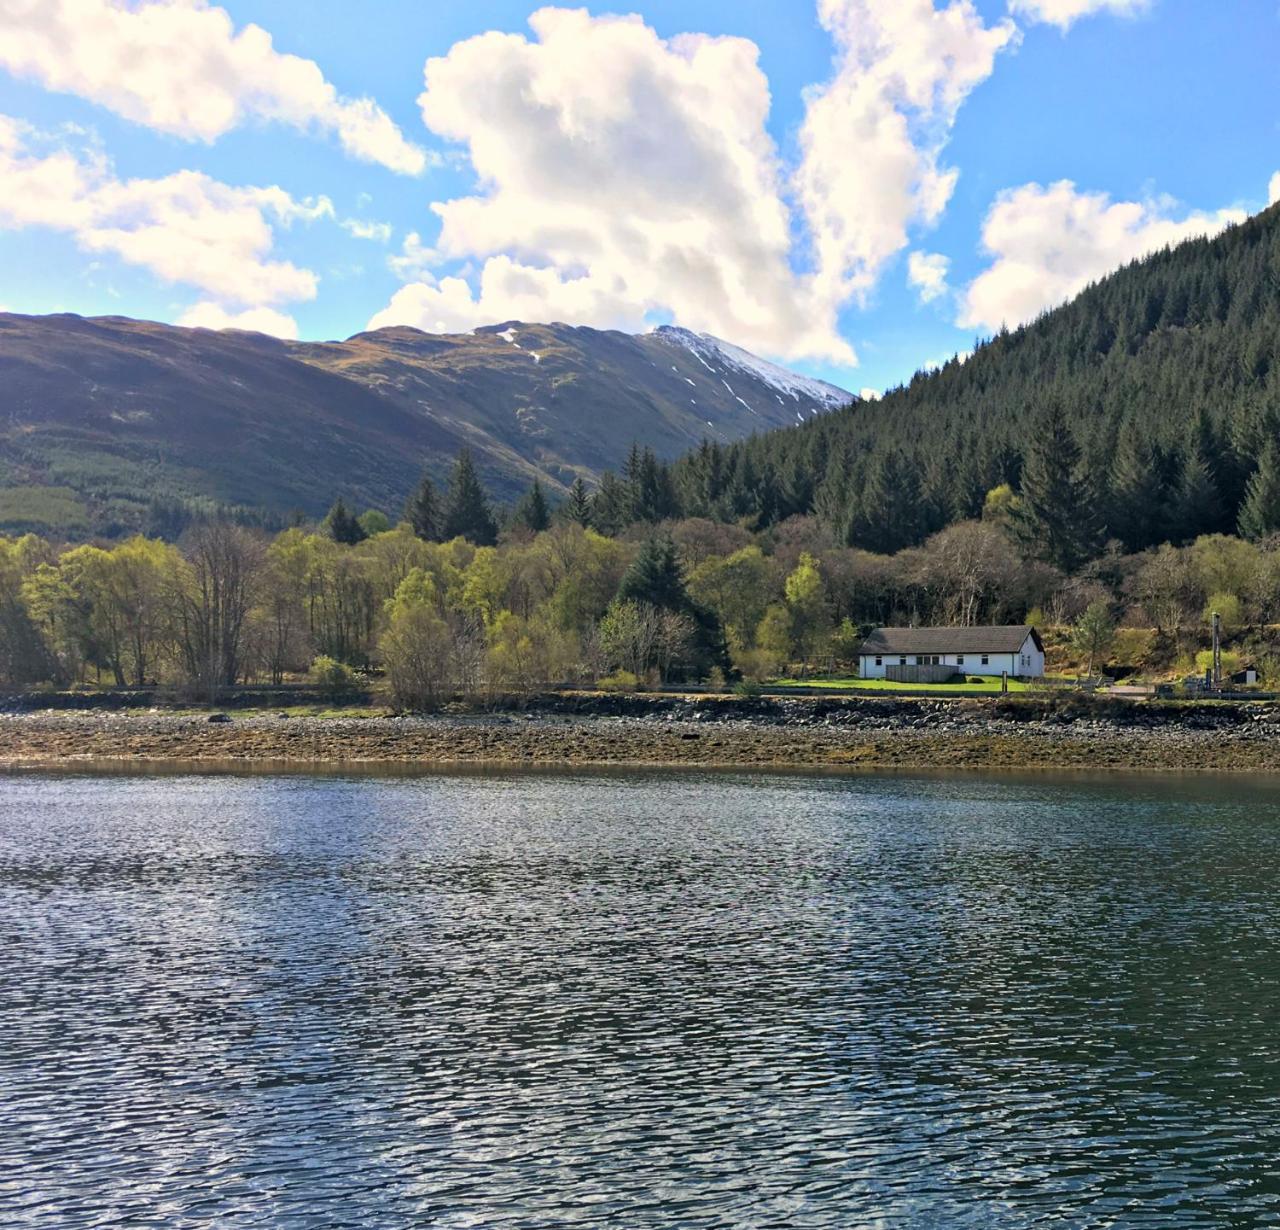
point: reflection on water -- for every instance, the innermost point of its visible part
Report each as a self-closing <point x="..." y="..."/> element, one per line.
<point x="633" y="1001"/>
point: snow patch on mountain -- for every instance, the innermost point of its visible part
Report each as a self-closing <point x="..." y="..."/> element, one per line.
<point x="710" y="350"/>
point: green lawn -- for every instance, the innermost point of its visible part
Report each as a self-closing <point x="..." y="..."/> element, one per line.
<point x="846" y="684"/>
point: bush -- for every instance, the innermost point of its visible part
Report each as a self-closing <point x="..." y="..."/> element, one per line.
<point x="1231" y="662"/>
<point x="619" y="681"/>
<point x="748" y="689"/>
<point x="1229" y="607"/>
<point x="333" y="678"/>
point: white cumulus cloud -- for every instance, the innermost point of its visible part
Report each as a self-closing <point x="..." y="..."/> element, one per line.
<point x="1273" y="192"/>
<point x="362" y="228"/>
<point x="873" y="137"/>
<point x="870" y="394"/>
<point x="180" y="66"/>
<point x="207" y="315"/>
<point x="1049" y="243"/>
<point x="927" y="273"/>
<point x="620" y="175"/>
<point x="1062" y="13"/>
<point x="184" y="228"/>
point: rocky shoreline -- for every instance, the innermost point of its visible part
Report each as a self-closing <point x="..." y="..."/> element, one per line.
<point x="707" y="732"/>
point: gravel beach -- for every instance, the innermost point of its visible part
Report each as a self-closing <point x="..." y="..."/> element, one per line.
<point x="707" y="732"/>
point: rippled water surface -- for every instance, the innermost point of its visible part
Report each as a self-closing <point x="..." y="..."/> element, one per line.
<point x="638" y="1001"/>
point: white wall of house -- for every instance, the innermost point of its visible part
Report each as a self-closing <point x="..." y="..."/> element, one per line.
<point x="1027" y="664"/>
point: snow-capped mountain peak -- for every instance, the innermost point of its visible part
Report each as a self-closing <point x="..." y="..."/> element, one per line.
<point x="722" y="358"/>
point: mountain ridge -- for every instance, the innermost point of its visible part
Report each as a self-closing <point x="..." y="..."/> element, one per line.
<point x="116" y="414"/>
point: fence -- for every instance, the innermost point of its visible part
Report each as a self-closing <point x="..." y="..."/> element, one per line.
<point x="920" y="674"/>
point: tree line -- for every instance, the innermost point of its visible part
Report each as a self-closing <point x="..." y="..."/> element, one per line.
<point x="1145" y="411"/>
<point x="542" y="597"/>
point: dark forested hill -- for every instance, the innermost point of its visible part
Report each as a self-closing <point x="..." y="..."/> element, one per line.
<point x="1165" y="377"/>
<point x="111" y="424"/>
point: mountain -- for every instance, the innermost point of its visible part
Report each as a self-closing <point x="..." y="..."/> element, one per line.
<point x="1165" y="376"/>
<point x="110" y="424"/>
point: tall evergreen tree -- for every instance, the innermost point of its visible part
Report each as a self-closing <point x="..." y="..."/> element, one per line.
<point x="611" y="507"/>
<point x="533" y="511"/>
<point x="890" y="513"/>
<point x="423" y="511"/>
<point x="467" y="513"/>
<point x="1260" y="513"/>
<point x="655" y="578"/>
<point x="1196" y="506"/>
<point x="577" y="508"/>
<point x="1138" y="513"/>
<point x="341" y="524"/>
<point x="1058" y="514"/>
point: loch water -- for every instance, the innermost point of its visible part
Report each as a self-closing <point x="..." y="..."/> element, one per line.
<point x="638" y="1000"/>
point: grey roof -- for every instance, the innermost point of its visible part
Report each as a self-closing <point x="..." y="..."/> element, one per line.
<point x="1004" y="639"/>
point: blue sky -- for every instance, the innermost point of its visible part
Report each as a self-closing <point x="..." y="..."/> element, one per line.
<point x="855" y="187"/>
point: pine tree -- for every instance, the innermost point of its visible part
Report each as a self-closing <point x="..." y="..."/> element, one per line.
<point x="423" y="511"/>
<point x="1059" y="514"/>
<point x="655" y="578"/>
<point x="341" y="524"/>
<point x="577" y="508"/>
<point x="611" y="508"/>
<point x="1260" y="512"/>
<point x="890" y="513"/>
<point x="1138" y="514"/>
<point x="467" y="513"/>
<point x="1196" y="507"/>
<point x="533" y="512"/>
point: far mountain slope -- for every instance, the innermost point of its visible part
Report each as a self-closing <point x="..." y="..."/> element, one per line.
<point x="100" y="419"/>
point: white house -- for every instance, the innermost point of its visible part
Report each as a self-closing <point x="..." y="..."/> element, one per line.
<point x="1017" y="651"/>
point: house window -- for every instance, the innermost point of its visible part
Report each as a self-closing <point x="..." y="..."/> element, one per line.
<point x="986" y="659"/>
<point x="902" y="661"/>
<point x="879" y="661"/>
<point x="959" y="659"/>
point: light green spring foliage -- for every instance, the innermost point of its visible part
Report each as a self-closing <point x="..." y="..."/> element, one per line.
<point x="543" y="609"/>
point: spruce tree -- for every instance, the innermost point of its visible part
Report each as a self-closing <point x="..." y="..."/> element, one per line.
<point x="655" y="578"/>
<point x="1138" y="515"/>
<point x="611" y="508"/>
<point x="533" y="512"/>
<point x="341" y="524"/>
<point x="890" y="512"/>
<point x="1196" y="507"/>
<point x="1058" y="514"/>
<point x="467" y="513"/>
<point x="1260" y="512"/>
<point x="577" y="508"/>
<point x="423" y="511"/>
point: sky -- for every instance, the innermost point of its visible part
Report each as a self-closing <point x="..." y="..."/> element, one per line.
<point x="856" y="188"/>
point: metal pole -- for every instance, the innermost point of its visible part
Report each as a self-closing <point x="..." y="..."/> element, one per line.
<point x="1217" y="651"/>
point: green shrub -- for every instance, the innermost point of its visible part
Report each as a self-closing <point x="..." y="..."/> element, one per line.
<point x="748" y="689"/>
<point x="619" y="681"/>
<point x="1231" y="662"/>
<point x="333" y="678"/>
